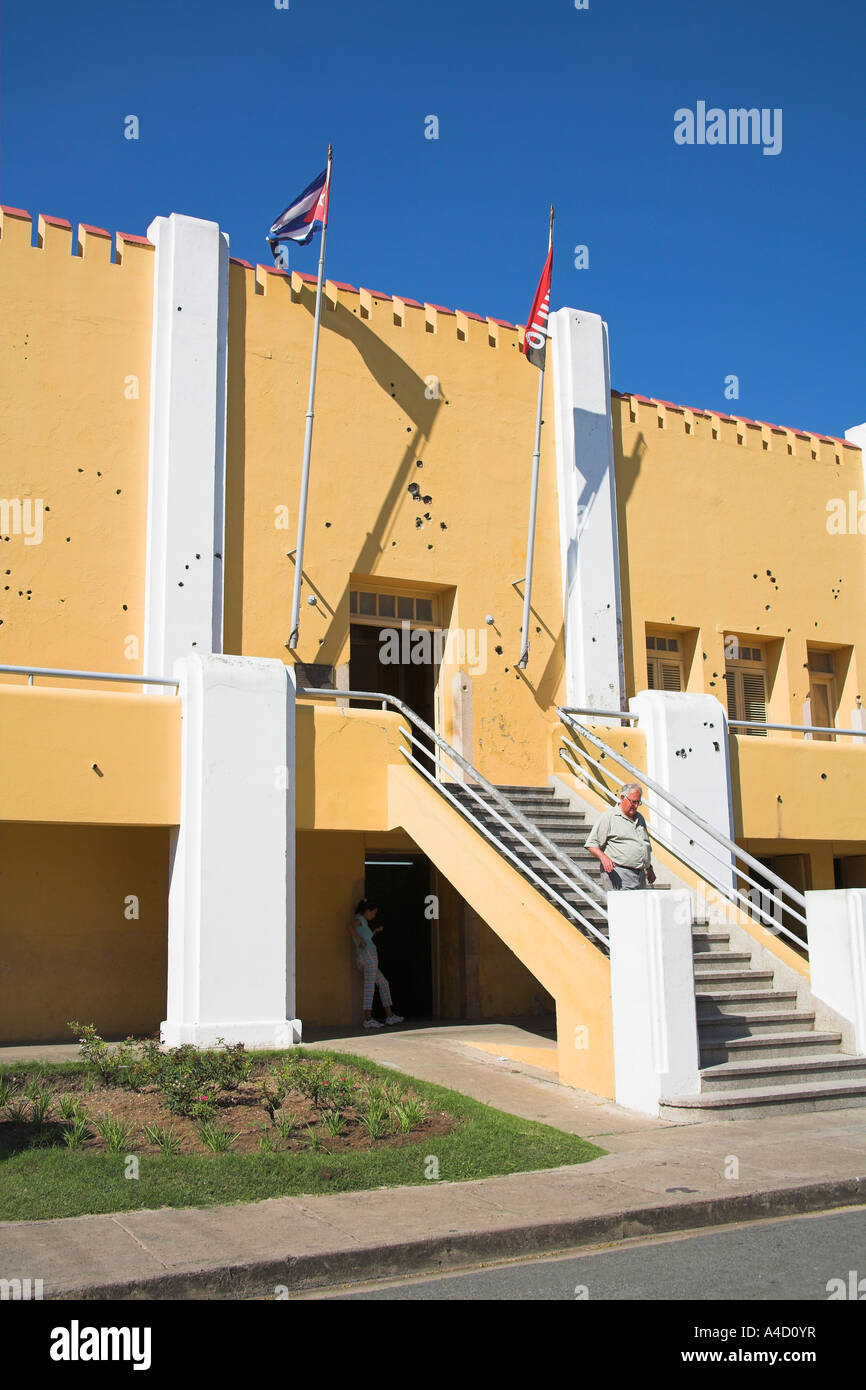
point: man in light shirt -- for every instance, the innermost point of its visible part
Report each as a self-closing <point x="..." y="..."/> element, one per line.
<point x="620" y="842"/>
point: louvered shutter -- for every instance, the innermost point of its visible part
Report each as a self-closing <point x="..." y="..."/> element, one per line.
<point x="755" y="699"/>
<point x="651" y="675"/>
<point x="731" y="683"/>
<point x="671" y="675"/>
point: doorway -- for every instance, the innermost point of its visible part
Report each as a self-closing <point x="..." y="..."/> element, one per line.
<point x="399" y="884"/>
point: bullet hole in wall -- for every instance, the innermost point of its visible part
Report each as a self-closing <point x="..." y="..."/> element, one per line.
<point x="427" y="499"/>
<point x="442" y="526"/>
<point x="823" y="776"/>
<point x="414" y="491"/>
<point x="426" y="516"/>
<point x="327" y="524"/>
<point x="429" y="547"/>
<point x="419" y="463"/>
<point x="418" y="523"/>
<point x="498" y="651"/>
<point x="123" y="606"/>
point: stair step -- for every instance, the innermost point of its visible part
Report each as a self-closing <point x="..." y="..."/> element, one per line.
<point x="709" y="983"/>
<point x="766" y="1100"/>
<point x="730" y="1077"/>
<point x="709" y="943"/>
<point x="726" y="1028"/>
<point x="742" y="1002"/>
<point x="714" y="963"/>
<point x="511" y="792"/>
<point x="766" y="1046"/>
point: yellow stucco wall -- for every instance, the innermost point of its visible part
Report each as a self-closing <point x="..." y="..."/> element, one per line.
<point x="374" y="425"/>
<point x="724" y="528"/>
<point x="69" y="946"/>
<point x="88" y="756"/>
<point x="75" y="345"/>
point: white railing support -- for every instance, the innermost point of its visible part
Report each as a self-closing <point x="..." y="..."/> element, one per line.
<point x="837" y="954"/>
<point x="655" y="1033"/>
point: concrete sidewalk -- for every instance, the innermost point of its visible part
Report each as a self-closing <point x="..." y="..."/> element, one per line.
<point x="657" y="1177"/>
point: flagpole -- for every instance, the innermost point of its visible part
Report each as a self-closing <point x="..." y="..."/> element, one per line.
<point x="308" y="434"/>
<point x="533" y="500"/>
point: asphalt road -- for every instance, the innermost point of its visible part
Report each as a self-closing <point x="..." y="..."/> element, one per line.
<point x="790" y="1259"/>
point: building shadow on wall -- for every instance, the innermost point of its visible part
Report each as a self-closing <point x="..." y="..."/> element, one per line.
<point x="627" y="467"/>
<point x="393" y="375"/>
<point x="236" y="407"/>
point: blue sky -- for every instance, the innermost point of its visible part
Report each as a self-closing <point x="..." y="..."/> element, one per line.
<point x="706" y="261"/>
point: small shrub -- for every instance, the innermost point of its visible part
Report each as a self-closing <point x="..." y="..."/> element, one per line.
<point x="408" y="1114"/>
<point x="18" y="1112"/>
<point x="41" y="1102"/>
<point x="69" y="1107"/>
<point x="375" y="1117"/>
<point x="215" y="1138"/>
<point x="116" y="1134"/>
<point x="78" y="1132"/>
<point x="334" y="1122"/>
<point x="7" y="1091"/>
<point x="115" y="1066"/>
<point x="163" y="1139"/>
<point x="313" y="1138"/>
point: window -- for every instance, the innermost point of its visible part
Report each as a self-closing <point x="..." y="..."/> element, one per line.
<point x="822" y="691"/>
<point x="664" y="663"/>
<point x="746" y="681"/>
<point x="385" y="609"/>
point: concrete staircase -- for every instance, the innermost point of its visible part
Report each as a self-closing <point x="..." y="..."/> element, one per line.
<point x="759" y="1053"/>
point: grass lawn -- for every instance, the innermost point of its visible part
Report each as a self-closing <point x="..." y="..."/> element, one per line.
<point x="48" y="1182"/>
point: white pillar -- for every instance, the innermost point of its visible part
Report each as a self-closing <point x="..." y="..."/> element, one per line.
<point x="687" y="754"/>
<point x="655" y="1031"/>
<point x="587" y="511"/>
<point x="186" y="479"/>
<point x="231" y="926"/>
<point x="836" y="928"/>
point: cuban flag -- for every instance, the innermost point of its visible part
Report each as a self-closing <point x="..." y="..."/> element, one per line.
<point x="303" y="217"/>
<point x="535" y="338"/>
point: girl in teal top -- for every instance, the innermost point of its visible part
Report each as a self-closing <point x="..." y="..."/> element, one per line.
<point x="367" y="959"/>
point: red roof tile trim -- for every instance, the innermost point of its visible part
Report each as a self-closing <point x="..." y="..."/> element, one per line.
<point x="440" y="309"/>
<point x="14" y="212"/>
<point x="135" y="240"/>
<point x="94" y="231"/>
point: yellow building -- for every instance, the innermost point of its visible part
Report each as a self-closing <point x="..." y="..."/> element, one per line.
<point x="153" y="415"/>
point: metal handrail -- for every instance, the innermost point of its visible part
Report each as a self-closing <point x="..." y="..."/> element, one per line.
<point x="600" y="713"/>
<point x="575" y="876"/>
<point x="498" y="844"/>
<point x="796" y="728"/>
<point x="732" y="723"/>
<point x="767" y="874"/>
<point x="691" y="815"/>
<point x="748" y="902"/>
<point x="31" y="671"/>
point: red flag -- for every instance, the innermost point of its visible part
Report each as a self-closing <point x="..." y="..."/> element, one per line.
<point x="535" y="337"/>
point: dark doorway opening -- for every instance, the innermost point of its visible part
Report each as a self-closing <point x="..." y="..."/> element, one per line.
<point x="399" y="884"/>
<point x="414" y="684"/>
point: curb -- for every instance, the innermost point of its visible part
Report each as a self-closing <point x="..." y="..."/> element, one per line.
<point x="441" y="1254"/>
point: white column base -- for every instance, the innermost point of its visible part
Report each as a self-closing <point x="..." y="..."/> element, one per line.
<point x="836" y="925"/>
<point x="277" y="1034"/>
<point x="655" y="1031"/>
